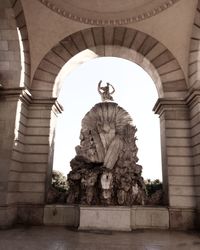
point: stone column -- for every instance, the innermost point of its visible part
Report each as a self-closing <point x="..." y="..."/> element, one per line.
<point x="193" y="101"/>
<point x="11" y="139"/>
<point x="27" y="128"/>
<point x="38" y="158"/>
<point x="177" y="161"/>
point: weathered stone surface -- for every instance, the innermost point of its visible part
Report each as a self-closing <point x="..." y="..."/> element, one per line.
<point x="105" y="169"/>
<point x="105" y="218"/>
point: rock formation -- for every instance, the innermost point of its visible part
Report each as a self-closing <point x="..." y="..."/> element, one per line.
<point x="105" y="169"/>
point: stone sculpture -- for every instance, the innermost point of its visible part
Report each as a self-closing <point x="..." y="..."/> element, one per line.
<point x="105" y="93"/>
<point x="105" y="169"/>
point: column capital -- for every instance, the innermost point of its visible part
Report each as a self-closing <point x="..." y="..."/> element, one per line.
<point x="164" y="104"/>
<point x="193" y="97"/>
<point x="15" y="94"/>
<point x="23" y="94"/>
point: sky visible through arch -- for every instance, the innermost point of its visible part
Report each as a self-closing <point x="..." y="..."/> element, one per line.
<point x="134" y="91"/>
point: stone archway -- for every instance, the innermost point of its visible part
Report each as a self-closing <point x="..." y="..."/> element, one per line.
<point x="172" y="88"/>
<point x="97" y="39"/>
<point x="169" y="80"/>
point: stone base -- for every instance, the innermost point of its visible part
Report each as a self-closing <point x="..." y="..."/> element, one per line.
<point x="8" y="216"/>
<point x="120" y="218"/>
<point x="62" y="215"/>
<point x="105" y="218"/>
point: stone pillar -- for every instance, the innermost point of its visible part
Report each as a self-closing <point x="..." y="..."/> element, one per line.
<point x="193" y="101"/>
<point x="27" y="128"/>
<point x="177" y="160"/>
<point x="11" y="136"/>
<point x="38" y="158"/>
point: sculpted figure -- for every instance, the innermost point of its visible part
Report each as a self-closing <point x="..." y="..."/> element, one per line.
<point x="105" y="169"/>
<point x="105" y="92"/>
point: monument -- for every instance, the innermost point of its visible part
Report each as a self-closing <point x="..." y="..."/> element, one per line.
<point x="105" y="170"/>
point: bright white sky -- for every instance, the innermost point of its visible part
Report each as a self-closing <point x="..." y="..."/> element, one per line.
<point x="134" y="91"/>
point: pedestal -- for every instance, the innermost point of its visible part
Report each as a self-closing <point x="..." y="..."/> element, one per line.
<point x="105" y="218"/>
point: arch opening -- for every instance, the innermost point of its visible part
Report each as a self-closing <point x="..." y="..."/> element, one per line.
<point x="135" y="91"/>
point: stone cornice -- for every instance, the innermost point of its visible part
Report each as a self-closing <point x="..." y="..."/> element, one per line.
<point x="117" y="21"/>
<point x="193" y="97"/>
<point x="164" y="104"/>
<point x="23" y="94"/>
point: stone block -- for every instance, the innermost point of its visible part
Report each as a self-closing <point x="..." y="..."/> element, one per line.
<point x="128" y="37"/>
<point x="182" y="201"/>
<point x="196" y="31"/>
<point x="32" y="177"/>
<point x="55" y="59"/>
<point x="177" y="124"/>
<point x="197" y="170"/>
<point x="3" y="195"/>
<point x="119" y="33"/>
<point x="195" y="139"/>
<point x="138" y="40"/>
<point x="62" y="52"/>
<point x="88" y="37"/>
<point x="180" y="170"/>
<point x="180" y="190"/>
<point x="168" y="67"/>
<point x="8" y="216"/>
<point x="173" y="86"/>
<point x="64" y="215"/>
<point x="194" y="45"/>
<point x="45" y="76"/>
<point x="78" y="40"/>
<point x="4" y="45"/>
<point x="38" y="122"/>
<point x="98" y="35"/>
<point x="37" y="131"/>
<point x="31" y="197"/>
<point x="100" y="50"/>
<point x="172" y="76"/>
<point x="193" y="57"/>
<point x="155" y="52"/>
<point x="196" y="159"/>
<point x="180" y="160"/>
<point x="195" y="130"/>
<point x="182" y="219"/>
<point x="181" y="180"/>
<point x="40" y="139"/>
<point x="30" y="214"/>
<point x="31" y="187"/>
<point x="178" y="142"/>
<point x="36" y="167"/>
<point x="36" y="157"/>
<point x="49" y="67"/>
<point x="105" y="218"/>
<point x="9" y="35"/>
<point x="148" y="44"/>
<point x="177" y="133"/>
<point x="150" y="217"/>
<point x="37" y="149"/>
<point x="179" y="151"/>
<point x="195" y="120"/>
<point x="193" y="68"/>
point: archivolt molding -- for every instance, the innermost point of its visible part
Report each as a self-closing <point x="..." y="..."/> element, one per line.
<point x="143" y="49"/>
<point x="122" y="21"/>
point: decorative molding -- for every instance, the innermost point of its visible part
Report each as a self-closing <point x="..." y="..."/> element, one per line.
<point x="100" y="22"/>
<point x="164" y="104"/>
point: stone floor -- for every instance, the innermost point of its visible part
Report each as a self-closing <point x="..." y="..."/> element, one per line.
<point x="60" y="238"/>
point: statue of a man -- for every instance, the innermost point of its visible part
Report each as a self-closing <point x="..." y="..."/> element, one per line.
<point x="105" y="92"/>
